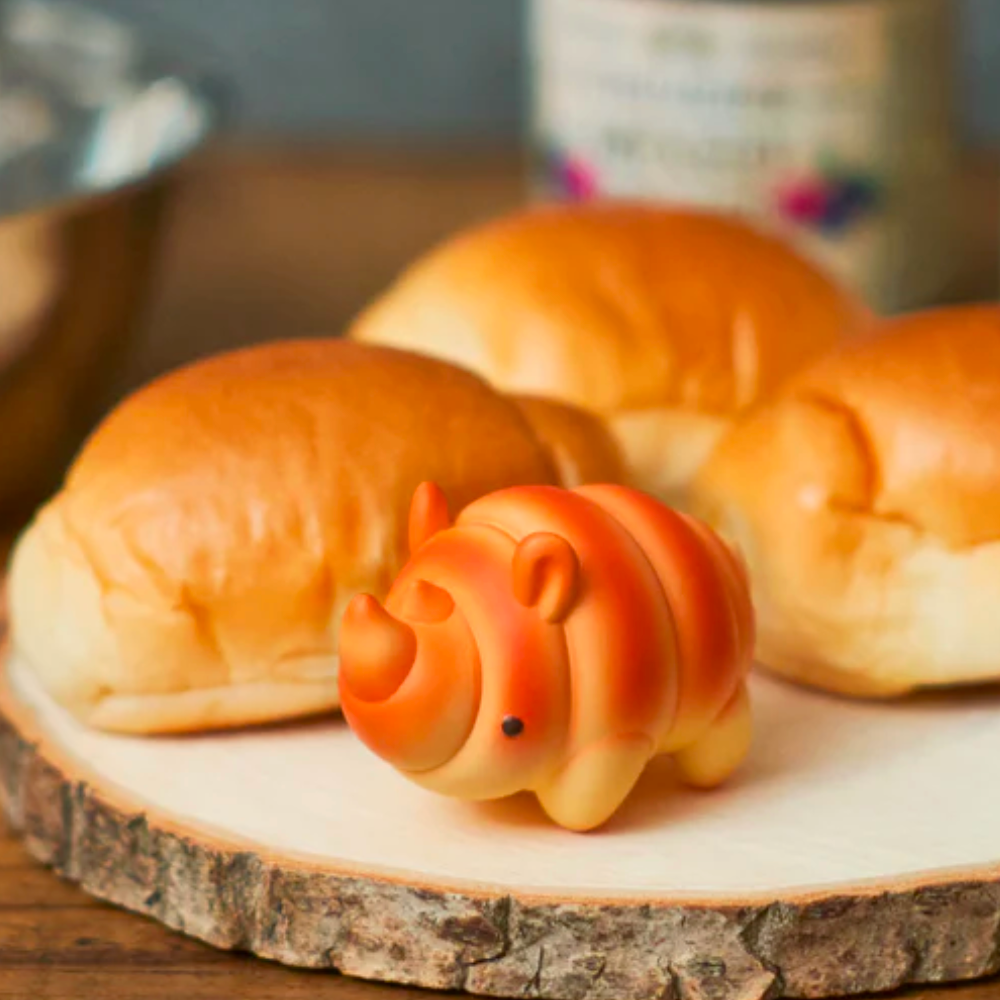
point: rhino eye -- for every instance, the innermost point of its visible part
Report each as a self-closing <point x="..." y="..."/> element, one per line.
<point x="512" y="726"/>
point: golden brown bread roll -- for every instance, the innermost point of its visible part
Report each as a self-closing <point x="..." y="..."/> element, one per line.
<point x="579" y="442"/>
<point x="666" y="322"/>
<point x="866" y="498"/>
<point x="193" y="570"/>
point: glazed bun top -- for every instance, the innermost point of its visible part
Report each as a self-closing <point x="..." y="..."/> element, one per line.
<point x="619" y="306"/>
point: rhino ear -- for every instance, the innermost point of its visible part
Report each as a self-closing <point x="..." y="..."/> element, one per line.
<point x="546" y="575"/>
<point x="428" y="514"/>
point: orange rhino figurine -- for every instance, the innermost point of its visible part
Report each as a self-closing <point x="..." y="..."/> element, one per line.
<point x="553" y="641"/>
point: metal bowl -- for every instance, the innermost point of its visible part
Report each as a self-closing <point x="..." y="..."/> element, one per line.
<point x="93" y="121"/>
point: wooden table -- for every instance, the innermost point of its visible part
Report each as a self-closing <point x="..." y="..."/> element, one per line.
<point x="266" y="245"/>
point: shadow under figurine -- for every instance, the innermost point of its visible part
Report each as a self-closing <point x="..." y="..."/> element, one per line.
<point x="553" y="641"/>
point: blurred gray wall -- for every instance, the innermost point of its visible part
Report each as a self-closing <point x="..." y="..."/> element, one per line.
<point x="428" y="68"/>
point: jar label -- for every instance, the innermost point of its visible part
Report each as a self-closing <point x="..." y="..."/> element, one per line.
<point x="832" y="120"/>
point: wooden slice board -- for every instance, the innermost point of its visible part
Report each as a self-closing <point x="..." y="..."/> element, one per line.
<point x="858" y="851"/>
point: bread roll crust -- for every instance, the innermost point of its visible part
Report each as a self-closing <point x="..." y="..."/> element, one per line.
<point x="579" y="442"/>
<point x="193" y="570"/>
<point x="867" y="499"/>
<point x="639" y="313"/>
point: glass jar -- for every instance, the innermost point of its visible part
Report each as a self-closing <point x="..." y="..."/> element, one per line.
<point x="832" y="120"/>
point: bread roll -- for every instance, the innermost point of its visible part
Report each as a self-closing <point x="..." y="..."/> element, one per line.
<point x="580" y="444"/>
<point x="866" y="498"/>
<point x="668" y="323"/>
<point x="193" y="570"/>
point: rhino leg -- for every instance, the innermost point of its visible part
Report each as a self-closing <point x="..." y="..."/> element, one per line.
<point x="588" y="790"/>
<point x="720" y="750"/>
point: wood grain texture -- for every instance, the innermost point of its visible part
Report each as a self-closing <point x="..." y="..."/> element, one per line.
<point x="58" y="943"/>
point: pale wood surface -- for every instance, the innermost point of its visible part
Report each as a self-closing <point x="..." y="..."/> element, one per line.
<point x="294" y="844"/>
<point x="250" y="257"/>
<point x="833" y="799"/>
